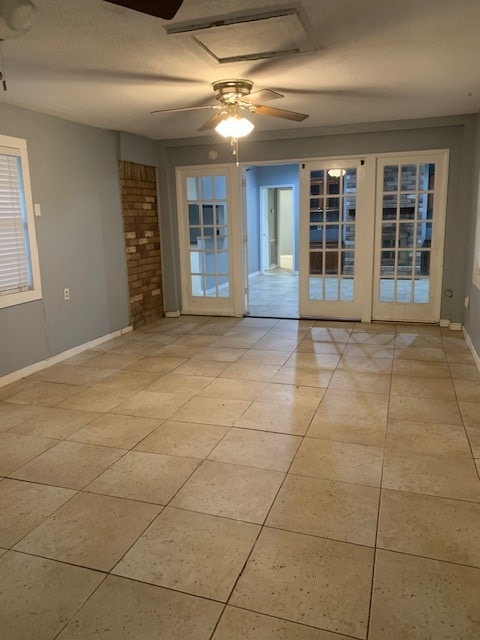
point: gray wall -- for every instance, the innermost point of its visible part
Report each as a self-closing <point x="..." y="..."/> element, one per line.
<point x="74" y="175"/>
<point x="138" y="149"/>
<point x="253" y="220"/>
<point x="472" y="314"/>
<point x="435" y="133"/>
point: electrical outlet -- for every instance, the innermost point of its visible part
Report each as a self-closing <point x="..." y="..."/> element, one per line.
<point x="66" y="294"/>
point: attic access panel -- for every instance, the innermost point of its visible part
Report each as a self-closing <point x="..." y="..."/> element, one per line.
<point x="247" y="38"/>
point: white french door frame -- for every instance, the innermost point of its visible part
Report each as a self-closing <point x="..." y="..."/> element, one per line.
<point x="360" y="307"/>
<point x="233" y="305"/>
<point x="414" y="312"/>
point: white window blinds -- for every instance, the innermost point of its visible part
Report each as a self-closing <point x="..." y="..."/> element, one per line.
<point x="15" y="272"/>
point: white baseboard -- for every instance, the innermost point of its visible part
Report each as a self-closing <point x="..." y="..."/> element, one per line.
<point x="172" y="314"/>
<point x="59" y="357"/>
<point x="471" y="346"/>
<point x="253" y="274"/>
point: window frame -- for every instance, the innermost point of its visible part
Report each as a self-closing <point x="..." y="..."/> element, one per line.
<point x="18" y="147"/>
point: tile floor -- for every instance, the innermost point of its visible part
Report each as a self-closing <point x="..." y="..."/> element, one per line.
<point x="255" y="479"/>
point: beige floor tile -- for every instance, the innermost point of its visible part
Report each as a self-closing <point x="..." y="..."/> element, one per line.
<point x="467" y="390"/>
<point x="55" y="592"/>
<point x="206" y="410"/>
<point x="454" y="340"/>
<point x="97" y="399"/>
<point x="240" y="339"/>
<point x="137" y="348"/>
<point x="250" y="371"/>
<point x="152" y="404"/>
<point x="231" y="491"/>
<point x="368" y="351"/>
<point x="55" y="423"/>
<point x="464" y="372"/>
<point x="360" y="381"/>
<point x="473" y="434"/>
<point x="45" y="394"/>
<point x="77" y="375"/>
<point x="445" y="476"/>
<point x="184" y="439"/>
<point x="90" y="530"/>
<point x="337" y="510"/>
<point x="441" y="388"/>
<point x="265" y="356"/>
<point x="265" y="416"/>
<point x="420" y="369"/>
<point x="415" y="598"/>
<point x="175" y="350"/>
<point x="156" y="364"/>
<point x="15" y="387"/>
<point x="191" y="552"/>
<point x="129" y="380"/>
<point x="428" y="354"/>
<point x="25" y="505"/>
<point x="174" y="383"/>
<point x="328" y="334"/>
<point x="425" y="437"/>
<point x="333" y="348"/>
<point x="149" y="477"/>
<point x="342" y="461"/>
<point x="365" y="364"/>
<point x="277" y="343"/>
<point x="320" y="582"/>
<point x="80" y="358"/>
<point x="196" y="339"/>
<point x="424" y="410"/>
<point x="470" y="414"/>
<point x="238" y="389"/>
<point x="198" y="367"/>
<point x="431" y="527"/>
<point x="313" y="360"/>
<point x="221" y="354"/>
<point x="110" y="430"/>
<point x="423" y="341"/>
<point x="291" y="395"/>
<point x="375" y="327"/>
<point x="371" y="337"/>
<point x="420" y="329"/>
<point x="123" y="609"/>
<point x="69" y="464"/>
<point x="16" y="450"/>
<point x="351" y="417"/>
<point x="458" y="355"/>
<point x="248" y="625"/>
<point x="257" y="449"/>
<point x="303" y="376"/>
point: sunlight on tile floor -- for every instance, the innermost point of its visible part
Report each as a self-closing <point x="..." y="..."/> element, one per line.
<point x="221" y="479"/>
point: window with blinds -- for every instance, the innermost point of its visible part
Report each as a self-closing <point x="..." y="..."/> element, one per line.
<point x="15" y="271"/>
<point x="19" y="267"/>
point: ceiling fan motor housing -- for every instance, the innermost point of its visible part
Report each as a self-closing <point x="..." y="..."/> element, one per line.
<point x="232" y="91"/>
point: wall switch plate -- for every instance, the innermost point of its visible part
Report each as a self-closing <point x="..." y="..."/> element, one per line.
<point x="37" y="209"/>
<point x="66" y="294"/>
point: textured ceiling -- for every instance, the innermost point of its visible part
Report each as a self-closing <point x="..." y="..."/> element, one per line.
<point x="107" y="66"/>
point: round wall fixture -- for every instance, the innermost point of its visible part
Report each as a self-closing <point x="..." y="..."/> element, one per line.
<point x="212" y="154"/>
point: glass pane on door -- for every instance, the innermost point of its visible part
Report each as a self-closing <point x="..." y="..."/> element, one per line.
<point x="332" y="229"/>
<point x="207" y="215"/>
<point x="406" y="233"/>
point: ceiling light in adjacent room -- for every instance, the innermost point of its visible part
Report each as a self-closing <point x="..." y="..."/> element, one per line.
<point x="336" y="173"/>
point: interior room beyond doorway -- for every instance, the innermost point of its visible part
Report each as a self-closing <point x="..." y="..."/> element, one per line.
<point x="272" y="233"/>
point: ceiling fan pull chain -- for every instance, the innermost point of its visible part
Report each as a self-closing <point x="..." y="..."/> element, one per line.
<point x="234" y="145"/>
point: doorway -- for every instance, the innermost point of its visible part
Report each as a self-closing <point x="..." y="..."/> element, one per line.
<point x="271" y="225"/>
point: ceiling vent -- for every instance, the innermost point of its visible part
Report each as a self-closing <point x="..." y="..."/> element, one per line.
<point x="252" y="37"/>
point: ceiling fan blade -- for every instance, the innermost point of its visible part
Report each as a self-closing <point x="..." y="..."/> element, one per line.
<point x="174" y="109"/>
<point x="263" y="96"/>
<point x="212" y="123"/>
<point x="165" y="9"/>
<point x="262" y="110"/>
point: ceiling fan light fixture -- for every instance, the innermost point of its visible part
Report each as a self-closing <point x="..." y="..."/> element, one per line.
<point x="336" y="173"/>
<point x="234" y="127"/>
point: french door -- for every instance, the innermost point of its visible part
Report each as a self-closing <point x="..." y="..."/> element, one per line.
<point x="409" y="237"/>
<point x="209" y="230"/>
<point x="372" y="239"/>
<point x="335" y="221"/>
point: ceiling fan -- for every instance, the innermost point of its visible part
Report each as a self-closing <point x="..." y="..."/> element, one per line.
<point x="165" y="9"/>
<point x="236" y="99"/>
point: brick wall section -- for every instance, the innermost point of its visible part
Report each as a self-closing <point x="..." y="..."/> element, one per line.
<point x="142" y="242"/>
